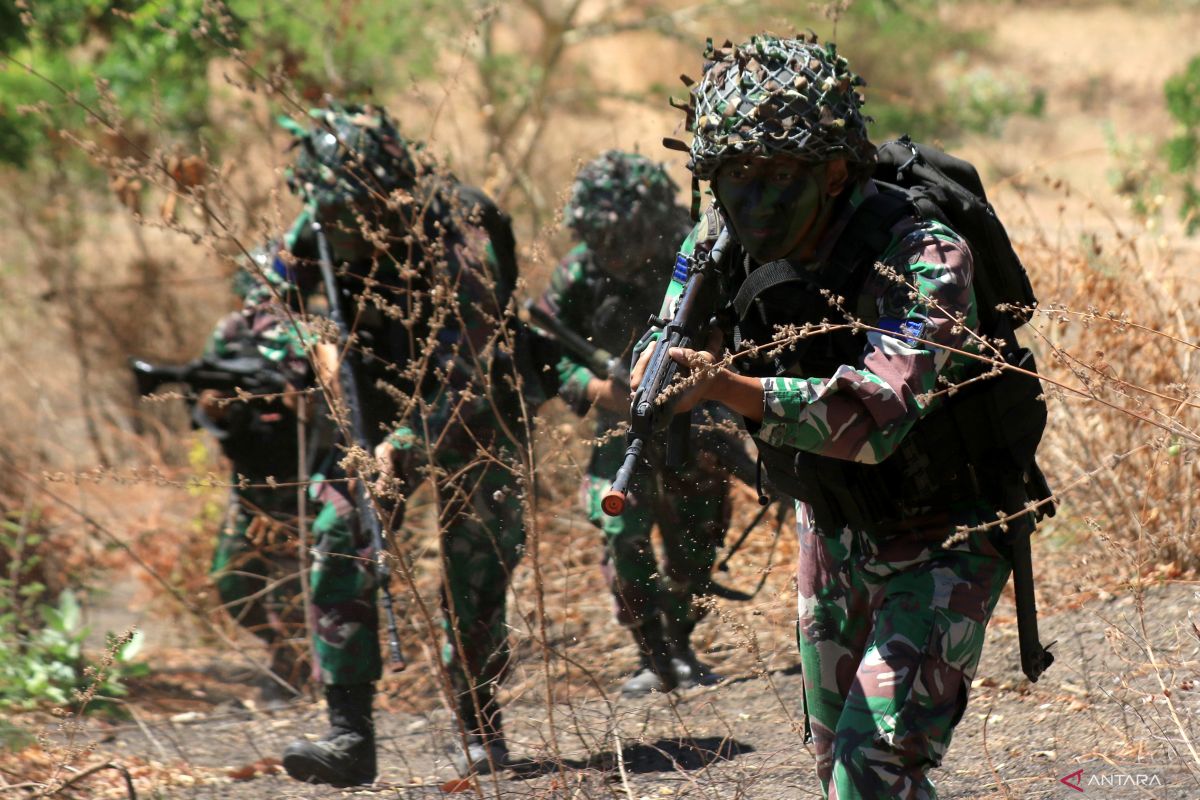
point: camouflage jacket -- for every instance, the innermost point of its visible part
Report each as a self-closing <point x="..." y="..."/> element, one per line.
<point x="259" y="435"/>
<point x="432" y="322"/>
<point x="862" y="408"/>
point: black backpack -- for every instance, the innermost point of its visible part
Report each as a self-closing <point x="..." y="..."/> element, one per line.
<point x="934" y="185"/>
<point x="948" y="189"/>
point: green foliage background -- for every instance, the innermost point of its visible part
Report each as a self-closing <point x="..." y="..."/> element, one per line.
<point x="150" y="62"/>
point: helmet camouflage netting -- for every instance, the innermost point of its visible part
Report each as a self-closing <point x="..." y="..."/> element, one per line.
<point x="351" y="154"/>
<point x="621" y="193"/>
<point x="771" y="95"/>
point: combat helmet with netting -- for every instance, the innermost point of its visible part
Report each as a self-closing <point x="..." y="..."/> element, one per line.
<point x="773" y="96"/>
<point x="622" y="196"/>
<point x="351" y="155"/>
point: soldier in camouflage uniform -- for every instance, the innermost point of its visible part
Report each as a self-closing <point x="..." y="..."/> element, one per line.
<point x="891" y="622"/>
<point x="623" y="210"/>
<point x="426" y="270"/>
<point x="255" y="566"/>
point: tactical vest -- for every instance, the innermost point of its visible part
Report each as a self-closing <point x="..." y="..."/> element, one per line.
<point x="976" y="446"/>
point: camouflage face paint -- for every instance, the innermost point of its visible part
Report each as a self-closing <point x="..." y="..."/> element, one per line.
<point x="774" y="204"/>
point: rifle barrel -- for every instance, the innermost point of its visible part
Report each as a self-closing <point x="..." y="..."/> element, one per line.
<point x="366" y="508"/>
<point x="613" y="502"/>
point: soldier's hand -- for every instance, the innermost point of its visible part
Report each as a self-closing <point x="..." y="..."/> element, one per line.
<point x="210" y="402"/>
<point x="385" y="456"/>
<point x="639" y="369"/>
<point x="608" y="395"/>
<point x="296" y="401"/>
<point x="700" y="376"/>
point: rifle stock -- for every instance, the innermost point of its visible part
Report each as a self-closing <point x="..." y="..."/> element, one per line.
<point x="348" y="380"/>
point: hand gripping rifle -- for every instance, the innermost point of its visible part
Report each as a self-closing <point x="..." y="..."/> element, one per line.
<point x="652" y="408"/>
<point x="362" y="498"/>
<point x="714" y="436"/>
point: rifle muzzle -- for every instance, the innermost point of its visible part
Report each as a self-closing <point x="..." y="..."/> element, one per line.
<point x="613" y="502"/>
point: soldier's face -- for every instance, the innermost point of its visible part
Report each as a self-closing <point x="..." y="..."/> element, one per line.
<point x="625" y="258"/>
<point x="776" y="203"/>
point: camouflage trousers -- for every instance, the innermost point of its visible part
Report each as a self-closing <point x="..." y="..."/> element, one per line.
<point x="482" y="541"/>
<point x="890" y="634"/>
<point x="691" y="509"/>
<point x="256" y="571"/>
<point x="343" y="583"/>
<point x="482" y="538"/>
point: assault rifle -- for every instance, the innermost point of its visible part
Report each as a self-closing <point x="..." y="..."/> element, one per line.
<point x="652" y="409"/>
<point x="250" y="374"/>
<point x="713" y="434"/>
<point x="594" y="357"/>
<point x="348" y="379"/>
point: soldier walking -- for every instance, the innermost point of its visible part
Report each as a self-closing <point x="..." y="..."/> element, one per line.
<point x="850" y="418"/>
<point x="624" y="213"/>
<point x="425" y="271"/>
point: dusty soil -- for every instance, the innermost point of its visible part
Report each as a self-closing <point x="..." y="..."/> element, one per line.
<point x="1103" y="707"/>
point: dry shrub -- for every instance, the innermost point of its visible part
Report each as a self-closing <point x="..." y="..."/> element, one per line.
<point x="1118" y="327"/>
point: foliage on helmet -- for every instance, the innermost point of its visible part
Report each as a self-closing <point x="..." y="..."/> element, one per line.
<point x="773" y="96"/>
<point x="350" y="155"/>
<point x="621" y="194"/>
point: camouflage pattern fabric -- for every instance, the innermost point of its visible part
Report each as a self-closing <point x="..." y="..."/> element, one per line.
<point x="890" y="627"/>
<point x="891" y="630"/>
<point x="350" y="154"/>
<point x="621" y="198"/>
<point x="441" y="384"/>
<point x="769" y="96"/>
<point x="256" y="564"/>
<point x="863" y="410"/>
<point x="691" y="508"/>
<point x="256" y="572"/>
<point x="482" y="539"/>
<point x="890" y="635"/>
<point x="689" y="505"/>
<point x="343" y="583"/>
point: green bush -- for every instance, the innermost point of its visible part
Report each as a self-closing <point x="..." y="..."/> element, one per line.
<point x="42" y="660"/>
<point x="145" y="66"/>
<point x="1183" y="149"/>
<point x="48" y="665"/>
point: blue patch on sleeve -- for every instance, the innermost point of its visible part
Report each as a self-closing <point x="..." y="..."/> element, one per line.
<point x="907" y="330"/>
<point x="681" y="269"/>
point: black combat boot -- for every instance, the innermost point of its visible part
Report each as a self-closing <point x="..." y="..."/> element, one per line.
<point x="486" y="749"/>
<point x="345" y="756"/>
<point x="655" y="673"/>
<point x="689" y="670"/>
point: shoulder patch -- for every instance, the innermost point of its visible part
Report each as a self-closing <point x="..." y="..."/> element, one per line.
<point x="681" y="269"/>
<point x="907" y="330"/>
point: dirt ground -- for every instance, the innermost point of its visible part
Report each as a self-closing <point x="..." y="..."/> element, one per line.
<point x="1100" y="708"/>
<point x="1120" y="702"/>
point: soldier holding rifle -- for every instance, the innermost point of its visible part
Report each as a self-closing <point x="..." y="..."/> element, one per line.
<point x="843" y="313"/>
<point x="421" y="269"/>
<point x="623" y="210"/>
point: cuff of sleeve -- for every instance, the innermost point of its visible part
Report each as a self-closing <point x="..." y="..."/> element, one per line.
<point x="402" y="438"/>
<point x="784" y="399"/>
<point x="574" y="390"/>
